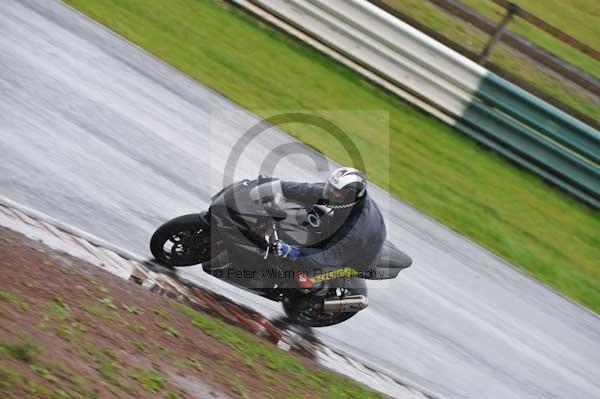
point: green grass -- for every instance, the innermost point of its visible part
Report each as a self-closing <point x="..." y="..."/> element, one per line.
<point x="433" y="167"/>
<point x="575" y="22"/>
<point x="133" y="309"/>
<point x="43" y="372"/>
<point x="172" y="395"/>
<point x="58" y="309"/>
<point x="162" y="313"/>
<point x="14" y="300"/>
<point x="577" y="18"/>
<point x="99" y="311"/>
<point x="139" y="346"/>
<point x="7" y="241"/>
<point x="169" y="330"/>
<point x="10" y="378"/>
<point x="108" y="301"/>
<point x="29" y="352"/>
<point x="112" y="373"/>
<point x="26" y="351"/>
<point x="149" y="380"/>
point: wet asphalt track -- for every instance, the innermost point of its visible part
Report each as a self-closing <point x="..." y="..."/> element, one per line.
<point x="96" y="133"/>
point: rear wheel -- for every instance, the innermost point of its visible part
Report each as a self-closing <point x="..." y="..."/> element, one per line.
<point x="183" y="241"/>
<point x="308" y="316"/>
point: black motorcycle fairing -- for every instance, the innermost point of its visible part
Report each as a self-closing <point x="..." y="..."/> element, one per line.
<point x="235" y="217"/>
<point x="389" y="263"/>
<point x="242" y="224"/>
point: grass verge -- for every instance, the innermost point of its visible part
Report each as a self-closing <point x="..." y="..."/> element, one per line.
<point x="577" y="18"/>
<point x="434" y="168"/>
<point x="140" y="345"/>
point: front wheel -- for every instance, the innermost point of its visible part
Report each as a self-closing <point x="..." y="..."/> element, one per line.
<point x="183" y="241"/>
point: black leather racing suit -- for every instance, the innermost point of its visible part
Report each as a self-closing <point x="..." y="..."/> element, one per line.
<point x="355" y="243"/>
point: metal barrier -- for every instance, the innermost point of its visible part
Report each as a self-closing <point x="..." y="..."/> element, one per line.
<point x="536" y="135"/>
<point x="529" y="131"/>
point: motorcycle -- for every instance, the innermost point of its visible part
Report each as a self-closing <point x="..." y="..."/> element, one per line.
<point x="234" y="240"/>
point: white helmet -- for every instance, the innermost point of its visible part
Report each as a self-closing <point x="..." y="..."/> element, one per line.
<point x="345" y="187"/>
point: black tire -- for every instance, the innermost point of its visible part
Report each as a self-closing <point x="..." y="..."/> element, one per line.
<point x="189" y="240"/>
<point x="351" y="287"/>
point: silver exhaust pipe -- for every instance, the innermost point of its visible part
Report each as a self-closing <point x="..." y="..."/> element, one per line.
<point x="351" y="303"/>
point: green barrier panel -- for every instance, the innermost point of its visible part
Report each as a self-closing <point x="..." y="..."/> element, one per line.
<point x="541" y="116"/>
<point x="499" y="147"/>
<point x="536" y="136"/>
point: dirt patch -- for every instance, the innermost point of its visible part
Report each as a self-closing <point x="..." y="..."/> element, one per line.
<point x="71" y="330"/>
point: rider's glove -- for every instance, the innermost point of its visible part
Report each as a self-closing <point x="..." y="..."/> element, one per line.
<point x="286" y="251"/>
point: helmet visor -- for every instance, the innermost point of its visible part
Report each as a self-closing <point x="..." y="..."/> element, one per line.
<point x="332" y="193"/>
<point x="334" y="196"/>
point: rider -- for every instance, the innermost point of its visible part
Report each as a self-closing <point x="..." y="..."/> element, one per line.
<point x="351" y="228"/>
